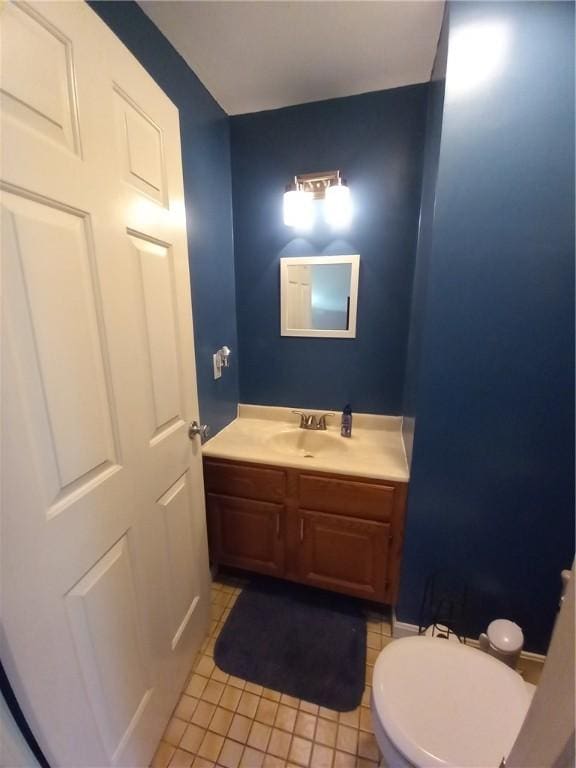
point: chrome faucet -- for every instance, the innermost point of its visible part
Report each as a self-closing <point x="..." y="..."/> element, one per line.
<point x="312" y="421"/>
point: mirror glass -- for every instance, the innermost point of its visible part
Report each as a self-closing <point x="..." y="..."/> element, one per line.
<point x="319" y="296"/>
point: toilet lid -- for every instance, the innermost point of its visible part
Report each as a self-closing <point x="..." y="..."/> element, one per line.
<point x="448" y="704"/>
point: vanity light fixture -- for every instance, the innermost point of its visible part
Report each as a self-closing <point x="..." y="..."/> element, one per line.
<point x="305" y="188"/>
<point x="338" y="204"/>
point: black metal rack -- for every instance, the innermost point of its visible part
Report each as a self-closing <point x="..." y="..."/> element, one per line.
<point x="444" y="604"/>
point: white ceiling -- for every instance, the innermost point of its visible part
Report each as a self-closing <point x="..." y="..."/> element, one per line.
<point x="261" y="55"/>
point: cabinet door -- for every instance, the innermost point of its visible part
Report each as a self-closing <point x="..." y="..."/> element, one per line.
<point x="343" y="553"/>
<point x="246" y="533"/>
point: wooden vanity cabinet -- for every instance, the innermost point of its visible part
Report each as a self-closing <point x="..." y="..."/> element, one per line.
<point x="330" y="531"/>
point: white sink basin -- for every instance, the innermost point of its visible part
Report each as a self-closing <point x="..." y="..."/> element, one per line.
<point x="306" y="443"/>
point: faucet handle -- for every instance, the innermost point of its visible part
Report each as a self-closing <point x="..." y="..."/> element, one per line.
<point x="322" y="420"/>
<point x="304" y="419"/>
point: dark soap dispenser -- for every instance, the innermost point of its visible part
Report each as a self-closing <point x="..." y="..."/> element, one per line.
<point x="346" y="428"/>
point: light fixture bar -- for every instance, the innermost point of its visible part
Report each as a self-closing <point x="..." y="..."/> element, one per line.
<point x="305" y="188"/>
<point x="317" y="183"/>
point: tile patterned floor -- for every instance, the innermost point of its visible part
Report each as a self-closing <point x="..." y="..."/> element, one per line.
<point x="225" y="722"/>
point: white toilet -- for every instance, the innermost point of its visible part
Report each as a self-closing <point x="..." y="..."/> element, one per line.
<point x="436" y="703"/>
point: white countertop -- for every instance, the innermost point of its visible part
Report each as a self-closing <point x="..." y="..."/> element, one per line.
<point x="376" y="448"/>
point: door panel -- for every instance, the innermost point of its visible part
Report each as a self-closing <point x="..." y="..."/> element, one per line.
<point x="174" y="506"/>
<point x="247" y="533"/>
<point x="38" y="90"/>
<point x="141" y="147"/>
<point x="52" y="248"/>
<point x="105" y="584"/>
<point x="112" y="663"/>
<point x="343" y="553"/>
<point x="162" y="344"/>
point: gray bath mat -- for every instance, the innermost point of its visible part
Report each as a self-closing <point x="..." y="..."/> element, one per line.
<point x="297" y="640"/>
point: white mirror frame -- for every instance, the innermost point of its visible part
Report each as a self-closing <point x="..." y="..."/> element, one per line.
<point x="285" y="262"/>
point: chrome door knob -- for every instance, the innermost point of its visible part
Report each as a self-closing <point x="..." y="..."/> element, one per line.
<point x="197" y="429"/>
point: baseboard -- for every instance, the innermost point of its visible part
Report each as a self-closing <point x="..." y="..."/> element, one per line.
<point x="402" y="629"/>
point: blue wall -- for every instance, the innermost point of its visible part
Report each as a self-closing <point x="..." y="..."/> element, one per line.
<point x="205" y="137"/>
<point x="425" y="229"/>
<point x="490" y="360"/>
<point x="492" y="488"/>
<point x="376" y="140"/>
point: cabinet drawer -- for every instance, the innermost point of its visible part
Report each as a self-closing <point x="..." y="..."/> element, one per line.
<point x="347" y="497"/>
<point x="245" y="482"/>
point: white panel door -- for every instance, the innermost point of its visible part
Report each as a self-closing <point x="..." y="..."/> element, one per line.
<point x="104" y="572"/>
<point x="299" y="296"/>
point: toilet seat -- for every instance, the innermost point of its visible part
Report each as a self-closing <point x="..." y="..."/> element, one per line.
<point x="446" y="704"/>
